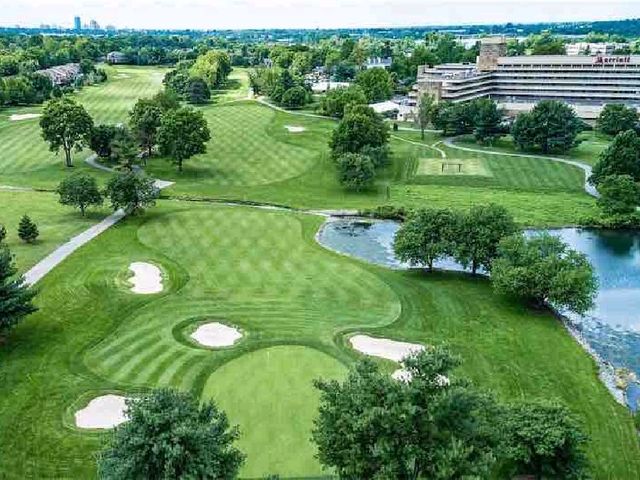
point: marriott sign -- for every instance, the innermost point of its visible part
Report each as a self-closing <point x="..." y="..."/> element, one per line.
<point x="619" y="59"/>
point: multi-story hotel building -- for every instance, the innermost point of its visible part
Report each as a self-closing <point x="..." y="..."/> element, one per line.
<point x="517" y="83"/>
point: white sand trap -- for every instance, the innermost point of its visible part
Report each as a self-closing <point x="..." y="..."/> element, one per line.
<point x="23" y="116"/>
<point x="216" y="335"/>
<point x="293" y="129"/>
<point x="122" y="75"/>
<point x="147" y="278"/>
<point x="384" y="348"/>
<point x="106" y="411"/>
<point x="403" y="375"/>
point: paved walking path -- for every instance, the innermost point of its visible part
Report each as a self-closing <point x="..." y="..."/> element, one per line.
<point x="56" y="257"/>
<point x="590" y="189"/>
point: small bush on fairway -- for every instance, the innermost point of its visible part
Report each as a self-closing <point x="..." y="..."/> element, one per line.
<point x="355" y="171"/>
<point x="27" y="230"/>
<point x="169" y="435"/>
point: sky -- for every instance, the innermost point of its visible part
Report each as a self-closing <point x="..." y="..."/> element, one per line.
<point x="238" y="14"/>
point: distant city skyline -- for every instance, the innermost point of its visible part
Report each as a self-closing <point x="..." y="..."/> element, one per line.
<point x="238" y="14"/>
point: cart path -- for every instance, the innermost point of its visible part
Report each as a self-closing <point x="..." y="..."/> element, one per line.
<point x="44" y="266"/>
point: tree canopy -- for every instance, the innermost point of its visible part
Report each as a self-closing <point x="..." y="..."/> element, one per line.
<point x="361" y="127"/>
<point x="171" y="435"/>
<point x="619" y="195"/>
<point x="621" y="157"/>
<point x="543" y="269"/>
<point x="334" y="103"/>
<point x="183" y="133"/>
<point x="355" y="171"/>
<point x="79" y="190"/>
<point x="551" y="126"/>
<point x="479" y="233"/>
<point x="617" y="117"/>
<point x="144" y="119"/>
<point x="131" y="191"/>
<point x="426" y="426"/>
<point x="15" y="297"/>
<point x="426" y="236"/>
<point x="376" y="83"/>
<point x="66" y="125"/>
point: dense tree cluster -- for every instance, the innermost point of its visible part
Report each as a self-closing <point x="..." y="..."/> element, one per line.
<point x="431" y="425"/>
<point x="334" y="103"/>
<point x="616" y="118"/>
<point x="193" y="80"/>
<point x="171" y="435"/>
<point x="541" y="269"/>
<point x="480" y="117"/>
<point x="281" y="85"/>
<point x="551" y="127"/>
<point x="359" y="146"/>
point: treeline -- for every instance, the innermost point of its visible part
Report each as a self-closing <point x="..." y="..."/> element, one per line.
<point x="30" y="87"/>
<point x="193" y="80"/>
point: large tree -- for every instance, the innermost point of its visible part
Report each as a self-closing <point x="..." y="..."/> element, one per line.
<point x="144" y="119"/>
<point x="619" y="195"/>
<point x="616" y="118"/>
<point x="546" y="441"/>
<point x="544" y="270"/>
<point x="335" y="101"/>
<point x="197" y="91"/>
<point x="361" y="127"/>
<point x="426" y="109"/>
<point x="428" y="426"/>
<point x="621" y="157"/>
<point x="427" y="235"/>
<point x="183" y="133"/>
<point x="376" y="83"/>
<point x="15" y="297"/>
<point x="479" y="233"/>
<point x="66" y="125"/>
<point x="486" y="121"/>
<point x="551" y="126"/>
<point x="546" y="44"/>
<point x="131" y="191"/>
<point x="171" y="435"/>
<point x="101" y="139"/>
<point x="213" y="67"/>
<point x="79" y="190"/>
<point x="355" y="171"/>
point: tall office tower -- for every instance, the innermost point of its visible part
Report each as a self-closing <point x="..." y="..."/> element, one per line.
<point x="76" y="23"/>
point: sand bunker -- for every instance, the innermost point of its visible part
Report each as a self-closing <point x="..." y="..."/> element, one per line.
<point x="216" y="335"/>
<point x="403" y="375"/>
<point x="147" y="278"/>
<point x="106" y="411"/>
<point x="23" y="116"/>
<point x="293" y="129"/>
<point x="384" y="348"/>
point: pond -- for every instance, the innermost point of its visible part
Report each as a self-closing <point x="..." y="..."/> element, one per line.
<point x="611" y="329"/>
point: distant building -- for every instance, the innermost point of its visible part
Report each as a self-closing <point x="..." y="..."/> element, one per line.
<point x="324" y="86"/>
<point x="517" y="83"/>
<point x="395" y="110"/>
<point x="116" y="57"/>
<point x="586" y="48"/>
<point x="77" y="24"/>
<point x="93" y="25"/>
<point x="62" y="74"/>
<point x="378" y="62"/>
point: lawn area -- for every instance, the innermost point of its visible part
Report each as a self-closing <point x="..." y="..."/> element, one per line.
<point x="56" y="223"/>
<point x="295" y="302"/>
<point x="591" y="145"/>
<point x="25" y="159"/>
<point x="253" y="157"/>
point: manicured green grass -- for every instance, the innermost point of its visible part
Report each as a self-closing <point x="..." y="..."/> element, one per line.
<point x="591" y="145"/>
<point x="274" y="383"/>
<point x="252" y="157"/>
<point x="56" y="223"/>
<point x="263" y="272"/>
<point x="25" y="159"/>
<point x="237" y="87"/>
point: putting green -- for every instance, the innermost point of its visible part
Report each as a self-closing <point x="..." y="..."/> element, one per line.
<point x="270" y="395"/>
<point x="453" y="166"/>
